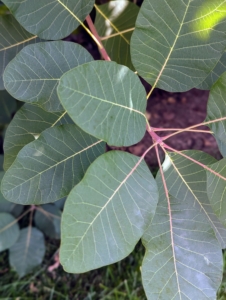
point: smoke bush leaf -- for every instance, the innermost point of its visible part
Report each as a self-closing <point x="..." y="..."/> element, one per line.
<point x="28" y="123"/>
<point x="176" y="44"/>
<point x="28" y="252"/>
<point x="13" y="38"/>
<point x="50" y="166"/>
<point x="50" y="20"/>
<point x="8" y="107"/>
<point x="107" y="212"/>
<point x="49" y="61"/>
<point x="9" y="231"/>
<point x="106" y="100"/>
<point x="115" y="22"/>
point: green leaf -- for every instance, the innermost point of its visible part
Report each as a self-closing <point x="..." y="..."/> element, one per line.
<point x="28" y="252"/>
<point x="115" y="22"/>
<point x="8" y="107"/>
<point x="1" y="162"/>
<point x="9" y="207"/>
<point x="183" y="259"/>
<point x="33" y="75"/>
<point x="218" y="70"/>
<point x="13" y="38"/>
<point x="187" y="180"/>
<point x="50" y="20"/>
<point x="216" y="188"/>
<point x="47" y="218"/>
<point x="107" y="212"/>
<point x="106" y="100"/>
<point x="176" y="44"/>
<point x="9" y="231"/>
<point x="28" y="123"/>
<point x="60" y="203"/>
<point x="216" y="109"/>
<point x="48" y="168"/>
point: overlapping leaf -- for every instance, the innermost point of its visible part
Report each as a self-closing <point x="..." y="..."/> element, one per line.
<point x="50" y="20"/>
<point x="28" y="252"/>
<point x="216" y="189"/>
<point x="183" y="259"/>
<point x="33" y="75"/>
<point x="13" y="38"/>
<point x="218" y="70"/>
<point x="216" y="109"/>
<point x="48" y="168"/>
<point x="28" y="123"/>
<point x="106" y="100"/>
<point x="115" y="22"/>
<point x="47" y="218"/>
<point x="8" y="107"/>
<point x="187" y="181"/>
<point x="9" y="231"/>
<point x="177" y="43"/>
<point x="106" y="214"/>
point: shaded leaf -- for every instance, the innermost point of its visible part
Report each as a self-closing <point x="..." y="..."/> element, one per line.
<point x="175" y="44"/>
<point x="60" y="203"/>
<point x="218" y="70"/>
<point x="48" y="168"/>
<point x="9" y="231"/>
<point x="50" y="20"/>
<point x="33" y="75"/>
<point x="216" y="109"/>
<point x="115" y="22"/>
<point x="28" y="252"/>
<point x="106" y="100"/>
<point x="216" y="189"/>
<point x="183" y="259"/>
<point x="47" y="218"/>
<point x="1" y="162"/>
<point x="28" y="123"/>
<point x="13" y="38"/>
<point x="187" y="181"/>
<point x="107" y="212"/>
<point x="8" y="107"/>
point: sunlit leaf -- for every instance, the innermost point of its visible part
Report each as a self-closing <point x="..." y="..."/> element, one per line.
<point x="50" y="166"/>
<point x="9" y="231"/>
<point x="47" y="218"/>
<point x="183" y="259"/>
<point x="216" y="189"/>
<point x="7" y="107"/>
<point x="216" y="109"/>
<point x="28" y="252"/>
<point x="33" y="75"/>
<point x="107" y="212"/>
<point x="218" y="70"/>
<point x="50" y="20"/>
<point x="13" y="38"/>
<point x="106" y="100"/>
<point x="28" y="123"/>
<point x="177" y="43"/>
<point x="115" y="22"/>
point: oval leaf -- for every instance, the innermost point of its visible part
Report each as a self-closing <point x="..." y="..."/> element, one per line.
<point x="50" y="20"/>
<point x="13" y="38"/>
<point x="183" y="259"/>
<point x="28" y="252"/>
<point x="28" y="123"/>
<point x="48" y="168"/>
<point x="47" y="218"/>
<point x="106" y="214"/>
<point x="106" y="100"/>
<point x="9" y="231"/>
<point x="33" y="75"/>
<point x="216" y="109"/>
<point x="115" y="22"/>
<point x="8" y="107"/>
<point x="216" y="189"/>
<point x="175" y="44"/>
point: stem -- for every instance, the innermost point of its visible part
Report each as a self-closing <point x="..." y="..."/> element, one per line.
<point x="195" y="161"/>
<point x="176" y="129"/>
<point x="46" y="213"/>
<point x="96" y="35"/>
